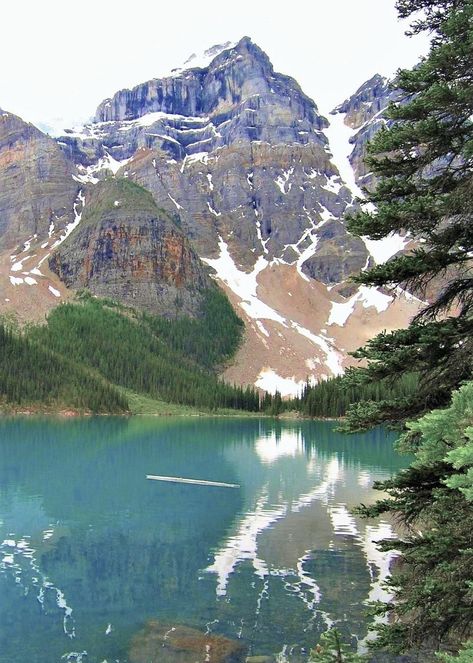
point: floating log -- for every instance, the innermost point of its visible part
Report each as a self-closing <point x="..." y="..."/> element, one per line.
<point x="196" y="482"/>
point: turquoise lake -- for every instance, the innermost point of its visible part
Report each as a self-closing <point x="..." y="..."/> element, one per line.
<point x="90" y="550"/>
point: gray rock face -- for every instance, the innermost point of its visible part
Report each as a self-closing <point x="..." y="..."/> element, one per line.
<point x="235" y="76"/>
<point x="370" y="99"/>
<point x="235" y="148"/>
<point x="338" y="255"/>
<point x="127" y="249"/>
<point x="267" y="200"/>
<point x="238" y="96"/>
<point x="364" y="112"/>
<point x="36" y="184"/>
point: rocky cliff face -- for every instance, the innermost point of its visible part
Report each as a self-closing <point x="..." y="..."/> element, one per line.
<point x="127" y="249"/>
<point x="238" y="96"/>
<point x="363" y="112"/>
<point x="235" y="148"/>
<point x="36" y="186"/>
<point x="239" y="74"/>
<point x="259" y="184"/>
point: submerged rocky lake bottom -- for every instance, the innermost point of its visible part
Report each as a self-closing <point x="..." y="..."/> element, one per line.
<point x="99" y="564"/>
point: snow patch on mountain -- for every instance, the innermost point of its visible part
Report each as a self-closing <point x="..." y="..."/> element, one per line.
<point x="88" y="174"/>
<point x="384" y="249"/>
<point x="270" y="381"/>
<point x="339" y="135"/>
<point x="340" y="140"/>
<point x="368" y="296"/>
<point x="175" y="202"/>
<point x="243" y="284"/>
<point x="282" y="180"/>
<point x="204" y="58"/>
<point x="78" y="209"/>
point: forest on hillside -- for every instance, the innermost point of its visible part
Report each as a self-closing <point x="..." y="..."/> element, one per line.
<point x="91" y="350"/>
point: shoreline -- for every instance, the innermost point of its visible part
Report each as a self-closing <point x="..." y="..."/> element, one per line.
<point x="70" y="413"/>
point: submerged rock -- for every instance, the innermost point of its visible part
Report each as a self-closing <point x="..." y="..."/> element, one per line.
<point x="163" y="643"/>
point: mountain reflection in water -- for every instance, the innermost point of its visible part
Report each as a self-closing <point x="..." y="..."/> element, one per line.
<point x="90" y="550"/>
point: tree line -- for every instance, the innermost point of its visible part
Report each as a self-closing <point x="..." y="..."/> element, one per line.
<point x="90" y="348"/>
<point x="32" y="374"/>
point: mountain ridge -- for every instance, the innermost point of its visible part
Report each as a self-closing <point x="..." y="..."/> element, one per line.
<point x="244" y="161"/>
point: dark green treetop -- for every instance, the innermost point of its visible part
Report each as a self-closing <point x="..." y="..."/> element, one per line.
<point x="332" y="649"/>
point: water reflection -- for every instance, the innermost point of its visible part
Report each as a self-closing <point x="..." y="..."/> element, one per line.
<point x="91" y="550"/>
<point x="284" y="518"/>
<point x="275" y="444"/>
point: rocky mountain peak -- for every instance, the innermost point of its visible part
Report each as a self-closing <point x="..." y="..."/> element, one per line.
<point x="368" y="100"/>
<point x="227" y="76"/>
<point x="203" y="59"/>
<point x="363" y="115"/>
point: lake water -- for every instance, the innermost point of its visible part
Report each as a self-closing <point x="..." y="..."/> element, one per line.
<point x="90" y="550"/>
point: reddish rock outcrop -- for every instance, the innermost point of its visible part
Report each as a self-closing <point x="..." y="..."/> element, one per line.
<point x="127" y="249"/>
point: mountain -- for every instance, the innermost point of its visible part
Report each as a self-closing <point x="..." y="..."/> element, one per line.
<point x="37" y="189"/>
<point x="364" y="114"/>
<point x="125" y="247"/>
<point x="235" y="169"/>
<point x="37" y="206"/>
<point x="233" y="148"/>
<point x="128" y="249"/>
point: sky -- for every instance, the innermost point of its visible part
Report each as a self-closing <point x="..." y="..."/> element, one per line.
<point x="61" y="58"/>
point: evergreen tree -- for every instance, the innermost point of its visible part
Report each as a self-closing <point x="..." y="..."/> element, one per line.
<point x="433" y="499"/>
<point x="465" y="656"/>
<point x="423" y="162"/>
<point x="31" y="374"/>
<point x="332" y="649"/>
<point x="333" y="397"/>
<point x="90" y="347"/>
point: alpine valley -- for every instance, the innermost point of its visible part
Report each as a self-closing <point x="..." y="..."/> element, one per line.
<point x="222" y="172"/>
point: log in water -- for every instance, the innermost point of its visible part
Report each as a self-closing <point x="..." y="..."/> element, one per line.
<point x="197" y="482"/>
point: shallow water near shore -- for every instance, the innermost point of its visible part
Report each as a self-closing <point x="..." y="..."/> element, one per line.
<point x="91" y="551"/>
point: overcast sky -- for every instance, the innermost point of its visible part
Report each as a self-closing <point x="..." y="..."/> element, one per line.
<point x="60" y="58"/>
